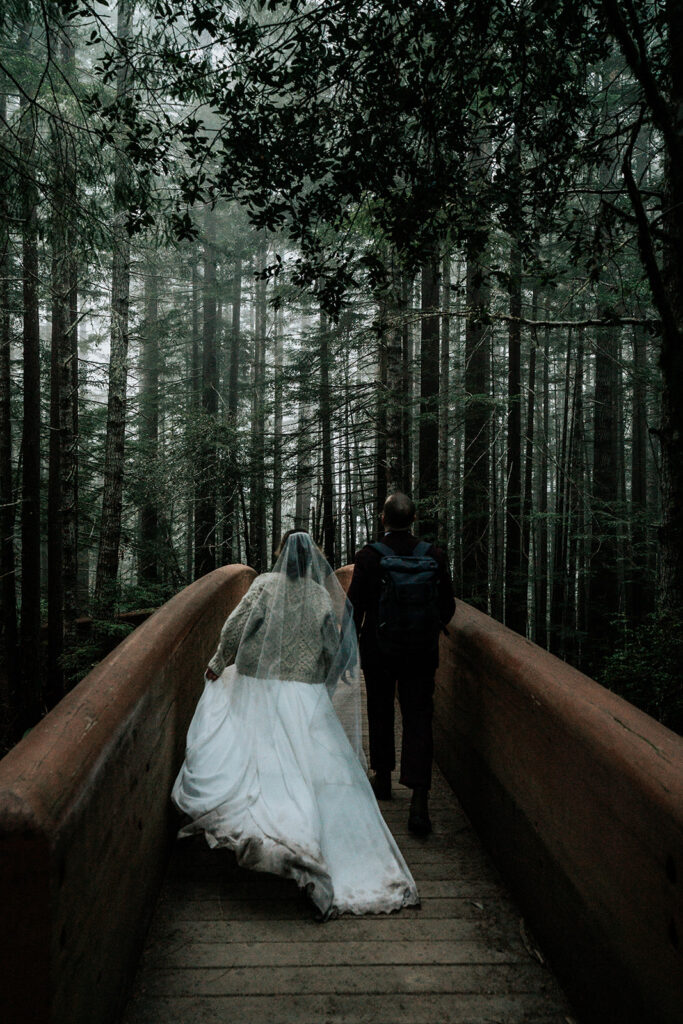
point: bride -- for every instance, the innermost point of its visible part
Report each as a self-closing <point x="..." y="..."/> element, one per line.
<point x="274" y="767"/>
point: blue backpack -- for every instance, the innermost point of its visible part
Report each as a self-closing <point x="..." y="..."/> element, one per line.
<point x="408" y="620"/>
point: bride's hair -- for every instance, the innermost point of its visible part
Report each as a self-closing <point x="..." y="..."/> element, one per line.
<point x="285" y="537"/>
<point x="300" y="554"/>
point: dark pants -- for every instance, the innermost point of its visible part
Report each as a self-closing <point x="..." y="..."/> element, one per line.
<point x="416" y="700"/>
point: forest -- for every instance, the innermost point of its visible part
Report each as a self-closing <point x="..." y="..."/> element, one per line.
<point x="264" y="262"/>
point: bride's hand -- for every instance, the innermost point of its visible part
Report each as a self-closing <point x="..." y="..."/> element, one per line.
<point x="210" y="674"/>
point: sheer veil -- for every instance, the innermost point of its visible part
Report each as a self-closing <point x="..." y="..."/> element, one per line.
<point x="301" y="628"/>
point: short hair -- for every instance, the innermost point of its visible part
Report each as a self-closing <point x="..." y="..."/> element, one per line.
<point x="399" y="511"/>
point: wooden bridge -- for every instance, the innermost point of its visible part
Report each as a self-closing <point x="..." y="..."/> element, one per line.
<point x="551" y="887"/>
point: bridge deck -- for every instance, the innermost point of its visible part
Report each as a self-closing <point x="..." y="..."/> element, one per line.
<point x="231" y="945"/>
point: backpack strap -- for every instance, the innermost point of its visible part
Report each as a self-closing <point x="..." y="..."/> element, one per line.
<point x="383" y="549"/>
<point x="421" y="548"/>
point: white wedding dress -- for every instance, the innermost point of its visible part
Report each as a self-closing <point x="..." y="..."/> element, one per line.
<point x="270" y="773"/>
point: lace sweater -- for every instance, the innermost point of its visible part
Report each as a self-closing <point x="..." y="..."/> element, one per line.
<point x="308" y="643"/>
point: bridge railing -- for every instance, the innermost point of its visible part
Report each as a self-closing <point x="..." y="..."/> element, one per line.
<point x="579" y="798"/>
<point x="85" y="821"/>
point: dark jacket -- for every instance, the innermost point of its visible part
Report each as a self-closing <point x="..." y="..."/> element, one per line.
<point x="364" y="591"/>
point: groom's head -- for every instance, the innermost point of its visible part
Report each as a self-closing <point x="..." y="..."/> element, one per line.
<point x="398" y="512"/>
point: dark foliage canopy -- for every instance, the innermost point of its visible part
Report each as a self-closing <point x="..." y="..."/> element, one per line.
<point x="314" y="114"/>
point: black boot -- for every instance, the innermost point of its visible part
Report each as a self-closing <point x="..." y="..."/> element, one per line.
<point x="418" y="818"/>
<point x="381" y="785"/>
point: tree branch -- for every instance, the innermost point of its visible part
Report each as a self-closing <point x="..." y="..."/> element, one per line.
<point x="645" y="244"/>
<point x="613" y="321"/>
<point x="636" y="58"/>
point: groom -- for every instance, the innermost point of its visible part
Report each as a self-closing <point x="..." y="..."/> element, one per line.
<point x="412" y="672"/>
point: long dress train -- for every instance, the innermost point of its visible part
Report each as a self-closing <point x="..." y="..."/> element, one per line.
<point x="270" y="773"/>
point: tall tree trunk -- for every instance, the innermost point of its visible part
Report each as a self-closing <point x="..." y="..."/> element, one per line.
<point x="515" y="594"/>
<point x="61" y="426"/>
<point x="575" y="503"/>
<point x="205" y="488"/>
<point x="340" y="546"/>
<point x="457" y="440"/>
<point x="220" y="455"/>
<point x="444" y="508"/>
<point x="192" y="412"/>
<point x="81" y="598"/>
<point x="604" y="579"/>
<point x="231" y="527"/>
<point x="69" y="391"/>
<point x="381" y="433"/>
<point x="316" y="529"/>
<point x="112" y="495"/>
<point x="541" y="565"/>
<point x="304" y="469"/>
<point x="558" y="598"/>
<point x="245" y="526"/>
<point x="149" y="431"/>
<point x="393" y="395"/>
<point x="189" y="539"/>
<point x="348" y="456"/>
<point x="326" y="430"/>
<point x="640" y="587"/>
<point x="195" y="358"/>
<point x="527" y="507"/>
<point x="9" y="673"/>
<point x="477" y="427"/>
<point x="497" y="488"/>
<point x="428" y="473"/>
<point x="278" y="368"/>
<point x="621" y="525"/>
<point x="30" y="437"/>
<point x="582" y="519"/>
<point x="407" y="289"/>
<point x="365" y="500"/>
<point x="257" y="491"/>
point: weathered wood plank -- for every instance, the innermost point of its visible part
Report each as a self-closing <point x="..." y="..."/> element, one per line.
<point x="387" y="929"/>
<point x="224" y="906"/>
<point x="331" y="954"/>
<point x="267" y="887"/>
<point x="378" y="979"/>
<point x="349" y="1009"/>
